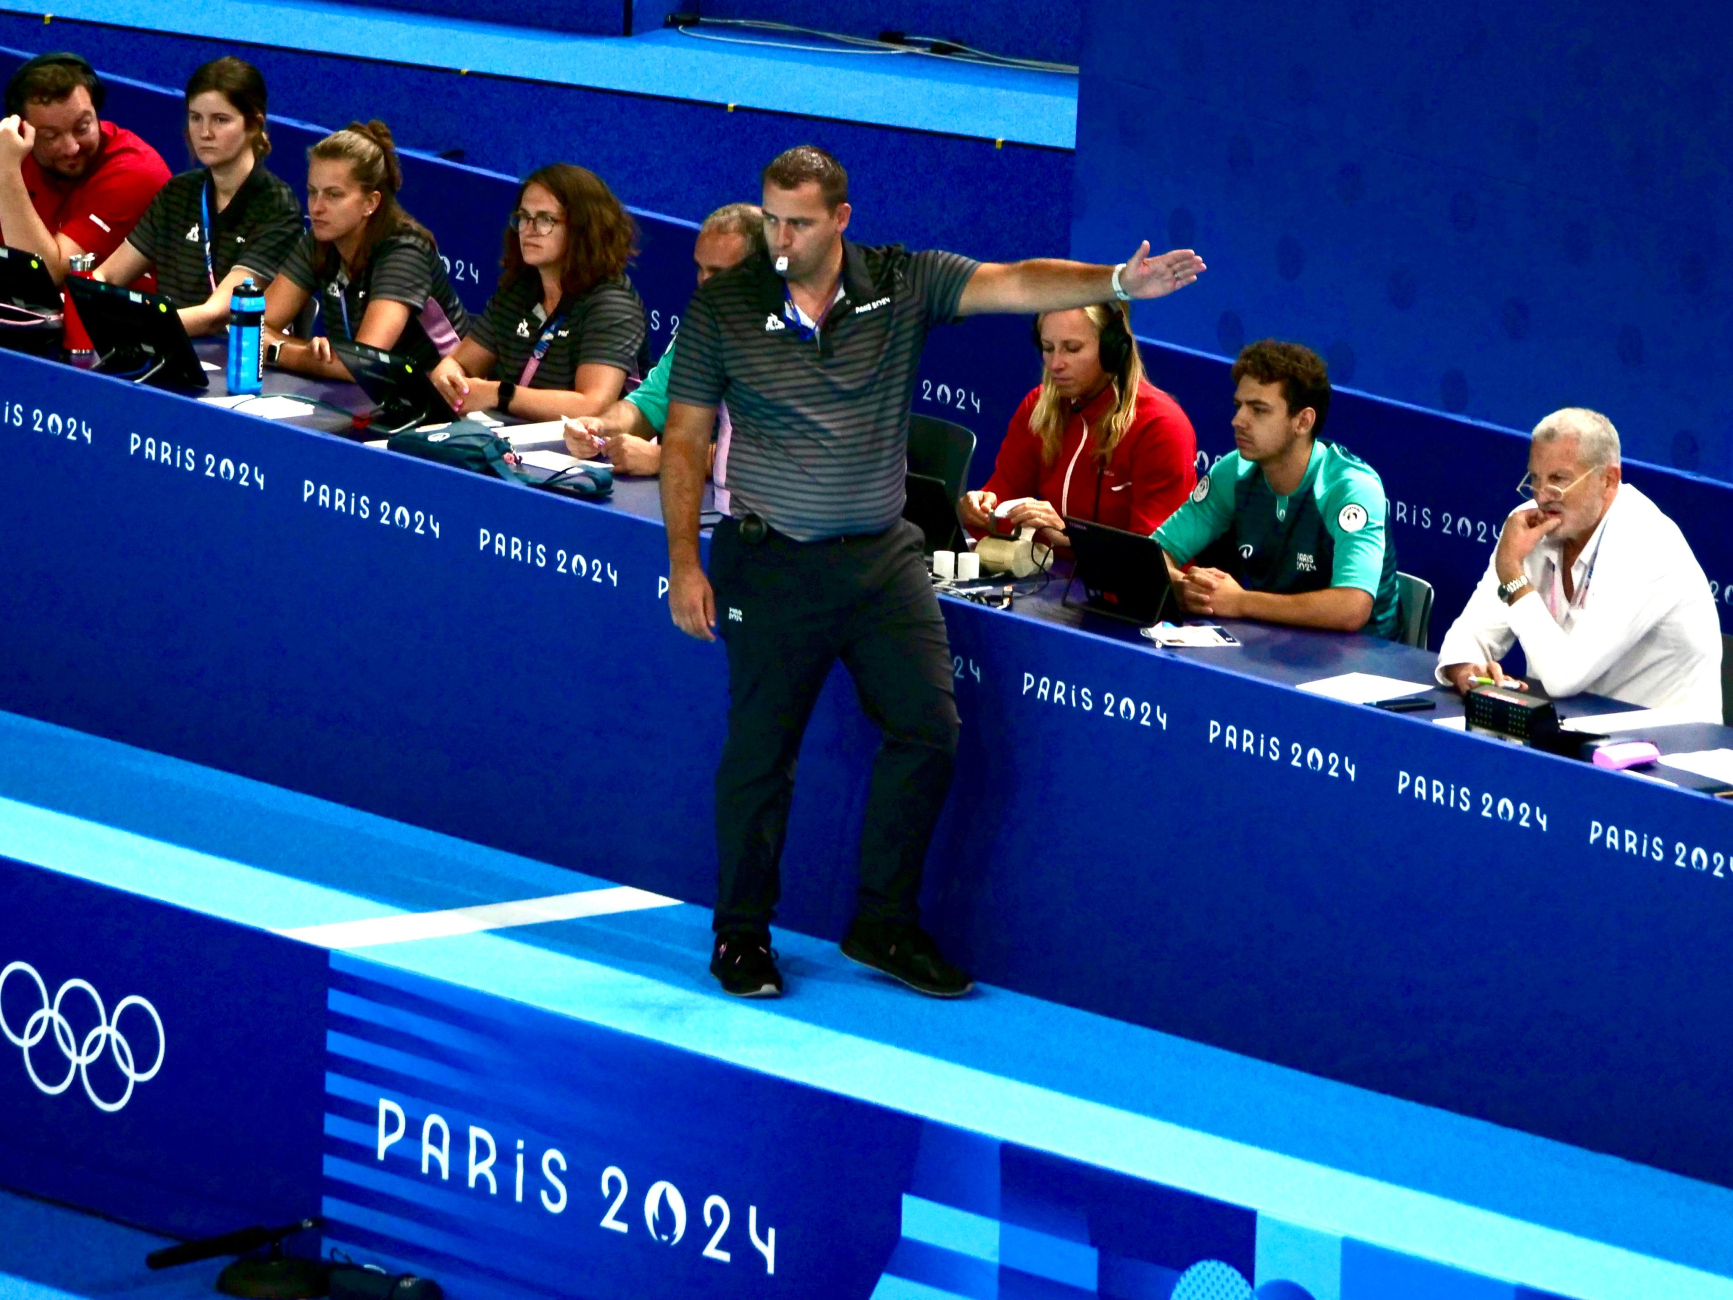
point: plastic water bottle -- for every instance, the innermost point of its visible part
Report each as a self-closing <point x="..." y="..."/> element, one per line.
<point x="246" y="372"/>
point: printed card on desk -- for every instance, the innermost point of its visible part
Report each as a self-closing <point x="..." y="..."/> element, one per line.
<point x="1195" y="636"/>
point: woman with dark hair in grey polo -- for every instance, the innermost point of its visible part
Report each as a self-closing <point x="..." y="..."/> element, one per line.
<point x="565" y="330"/>
<point x="227" y="220"/>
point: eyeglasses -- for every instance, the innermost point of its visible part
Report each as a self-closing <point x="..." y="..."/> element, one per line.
<point x="1546" y="492"/>
<point x="542" y="223"/>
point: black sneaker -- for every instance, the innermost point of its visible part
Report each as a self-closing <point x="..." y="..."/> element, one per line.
<point x="746" y="965"/>
<point x="906" y="953"/>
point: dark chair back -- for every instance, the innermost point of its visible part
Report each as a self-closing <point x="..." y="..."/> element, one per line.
<point x="941" y="450"/>
<point x="1414" y="611"/>
<point x="1727" y="679"/>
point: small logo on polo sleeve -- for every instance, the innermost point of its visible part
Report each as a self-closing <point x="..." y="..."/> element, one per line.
<point x="1200" y="493"/>
<point x="1352" y="519"/>
<point x="773" y="322"/>
<point x="1305" y="563"/>
<point x="1246" y="549"/>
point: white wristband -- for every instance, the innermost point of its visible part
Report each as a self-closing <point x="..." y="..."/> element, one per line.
<point x="1119" y="289"/>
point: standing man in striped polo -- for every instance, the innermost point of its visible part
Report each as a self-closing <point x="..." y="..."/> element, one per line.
<point x="814" y="342"/>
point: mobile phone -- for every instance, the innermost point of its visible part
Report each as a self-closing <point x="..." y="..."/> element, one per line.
<point x="1407" y="704"/>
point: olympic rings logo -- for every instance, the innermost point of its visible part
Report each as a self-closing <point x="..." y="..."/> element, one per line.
<point x="81" y="1056"/>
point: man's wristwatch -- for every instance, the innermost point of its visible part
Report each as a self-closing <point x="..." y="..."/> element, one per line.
<point x="272" y="352"/>
<point x="1509" y="591"/>
<point x="507" y="391"/>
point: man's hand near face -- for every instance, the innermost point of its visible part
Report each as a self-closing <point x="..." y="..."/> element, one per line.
<point x="17" y="139"/>
<point x="1522" y="533"/>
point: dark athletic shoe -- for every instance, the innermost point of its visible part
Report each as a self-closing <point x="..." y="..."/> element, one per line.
<point x="906" y="953"/>
<point x="746" y="965"/>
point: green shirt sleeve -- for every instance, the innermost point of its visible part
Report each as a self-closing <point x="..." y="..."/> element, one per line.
<point x="1206" y="514"/>
<point x="651" y="396"/>
<point x="1351" y="499"/>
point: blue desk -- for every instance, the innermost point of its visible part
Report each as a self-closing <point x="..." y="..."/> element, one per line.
<point x="1363" y="896"/>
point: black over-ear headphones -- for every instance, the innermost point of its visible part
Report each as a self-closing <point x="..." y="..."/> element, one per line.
<point x="1115" y="343"/>
<point x="15" y="87"/>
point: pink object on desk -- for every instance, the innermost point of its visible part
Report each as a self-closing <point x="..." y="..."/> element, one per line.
<point x="1627" y="753"/>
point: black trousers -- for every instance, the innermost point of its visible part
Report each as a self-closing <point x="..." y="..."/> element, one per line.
<point x="787" y="611"/>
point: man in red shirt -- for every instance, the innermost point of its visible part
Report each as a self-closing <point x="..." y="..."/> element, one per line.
<point x="69" y="182"/>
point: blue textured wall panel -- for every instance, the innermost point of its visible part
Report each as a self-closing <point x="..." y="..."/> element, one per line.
<point x="1493" y="212"/>
<point x="670" y="156"/>
<point x="1051" y="31"/>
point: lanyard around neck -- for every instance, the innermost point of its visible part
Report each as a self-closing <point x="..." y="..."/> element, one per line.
<point x="205" y="229"/>
<point x="793" y="313"/>
<point x="540" y="350"/>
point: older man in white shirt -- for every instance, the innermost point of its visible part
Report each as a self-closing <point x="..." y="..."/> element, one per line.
<point x="1597" y="584"/>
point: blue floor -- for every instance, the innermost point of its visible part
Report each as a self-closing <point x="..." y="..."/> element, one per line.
<point x="909" y="91"/>
<point x="1010" y="1066"/>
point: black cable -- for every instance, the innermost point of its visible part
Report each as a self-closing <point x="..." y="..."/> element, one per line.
<point x="929" y="46"/>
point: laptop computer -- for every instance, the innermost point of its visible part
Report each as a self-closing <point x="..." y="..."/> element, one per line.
<point x="928" y="506"/>
<point x="1123" y="574"/>
<point x="137" y="336"/>
<point x="403" y="393"/>
<point x="31" y="316"/>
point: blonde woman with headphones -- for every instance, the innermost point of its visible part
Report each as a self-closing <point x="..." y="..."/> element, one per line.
<point x="1094" y="440"/>
<point x="373" y="269"/>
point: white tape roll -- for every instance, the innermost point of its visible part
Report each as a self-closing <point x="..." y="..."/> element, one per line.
<point x="968" y="566"/>
<point x="944" y="564"/>
<point x="1018" y="558"/>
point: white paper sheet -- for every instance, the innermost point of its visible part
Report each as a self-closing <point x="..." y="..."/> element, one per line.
<point x="1364" y="688"/>
<point x="273" y="407"/>
<point x="1631" y="720"/>
<point x="550" y="433"/>
<point x="1716" y="764"/>
<point x="211" y="366"/>
<point x="555" y="460"/>
<point x="1455" y="724"/>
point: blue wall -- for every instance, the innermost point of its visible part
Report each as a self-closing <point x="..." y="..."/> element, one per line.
<point x="1494" y="210"/>
<point x="669" y="156"/>
<point x="1047" y="31"/>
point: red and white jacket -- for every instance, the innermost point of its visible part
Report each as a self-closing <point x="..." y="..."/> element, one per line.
<point x="1151" y="473"/>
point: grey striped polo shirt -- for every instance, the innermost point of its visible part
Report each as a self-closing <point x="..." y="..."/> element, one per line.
<point x="821" y="427"/>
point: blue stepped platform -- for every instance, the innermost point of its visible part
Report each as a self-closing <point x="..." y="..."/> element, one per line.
<point x="519" y="1079"/>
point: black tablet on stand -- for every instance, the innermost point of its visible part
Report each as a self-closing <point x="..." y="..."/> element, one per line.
<point x="1124" y="575"/>
<point x="31" y="316"/>
<point x="405" y="396"/>
<point x="137" y="336"/>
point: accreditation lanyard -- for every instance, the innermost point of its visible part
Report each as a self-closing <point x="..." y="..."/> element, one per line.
<point x="540" y="350"/>
<point x="796" y="319"/>
<point x="205" y="231"/>
<point x="1577" y="601"/>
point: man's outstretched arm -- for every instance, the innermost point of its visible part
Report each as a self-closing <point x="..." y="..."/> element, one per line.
<point x="1049" y="284"/>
